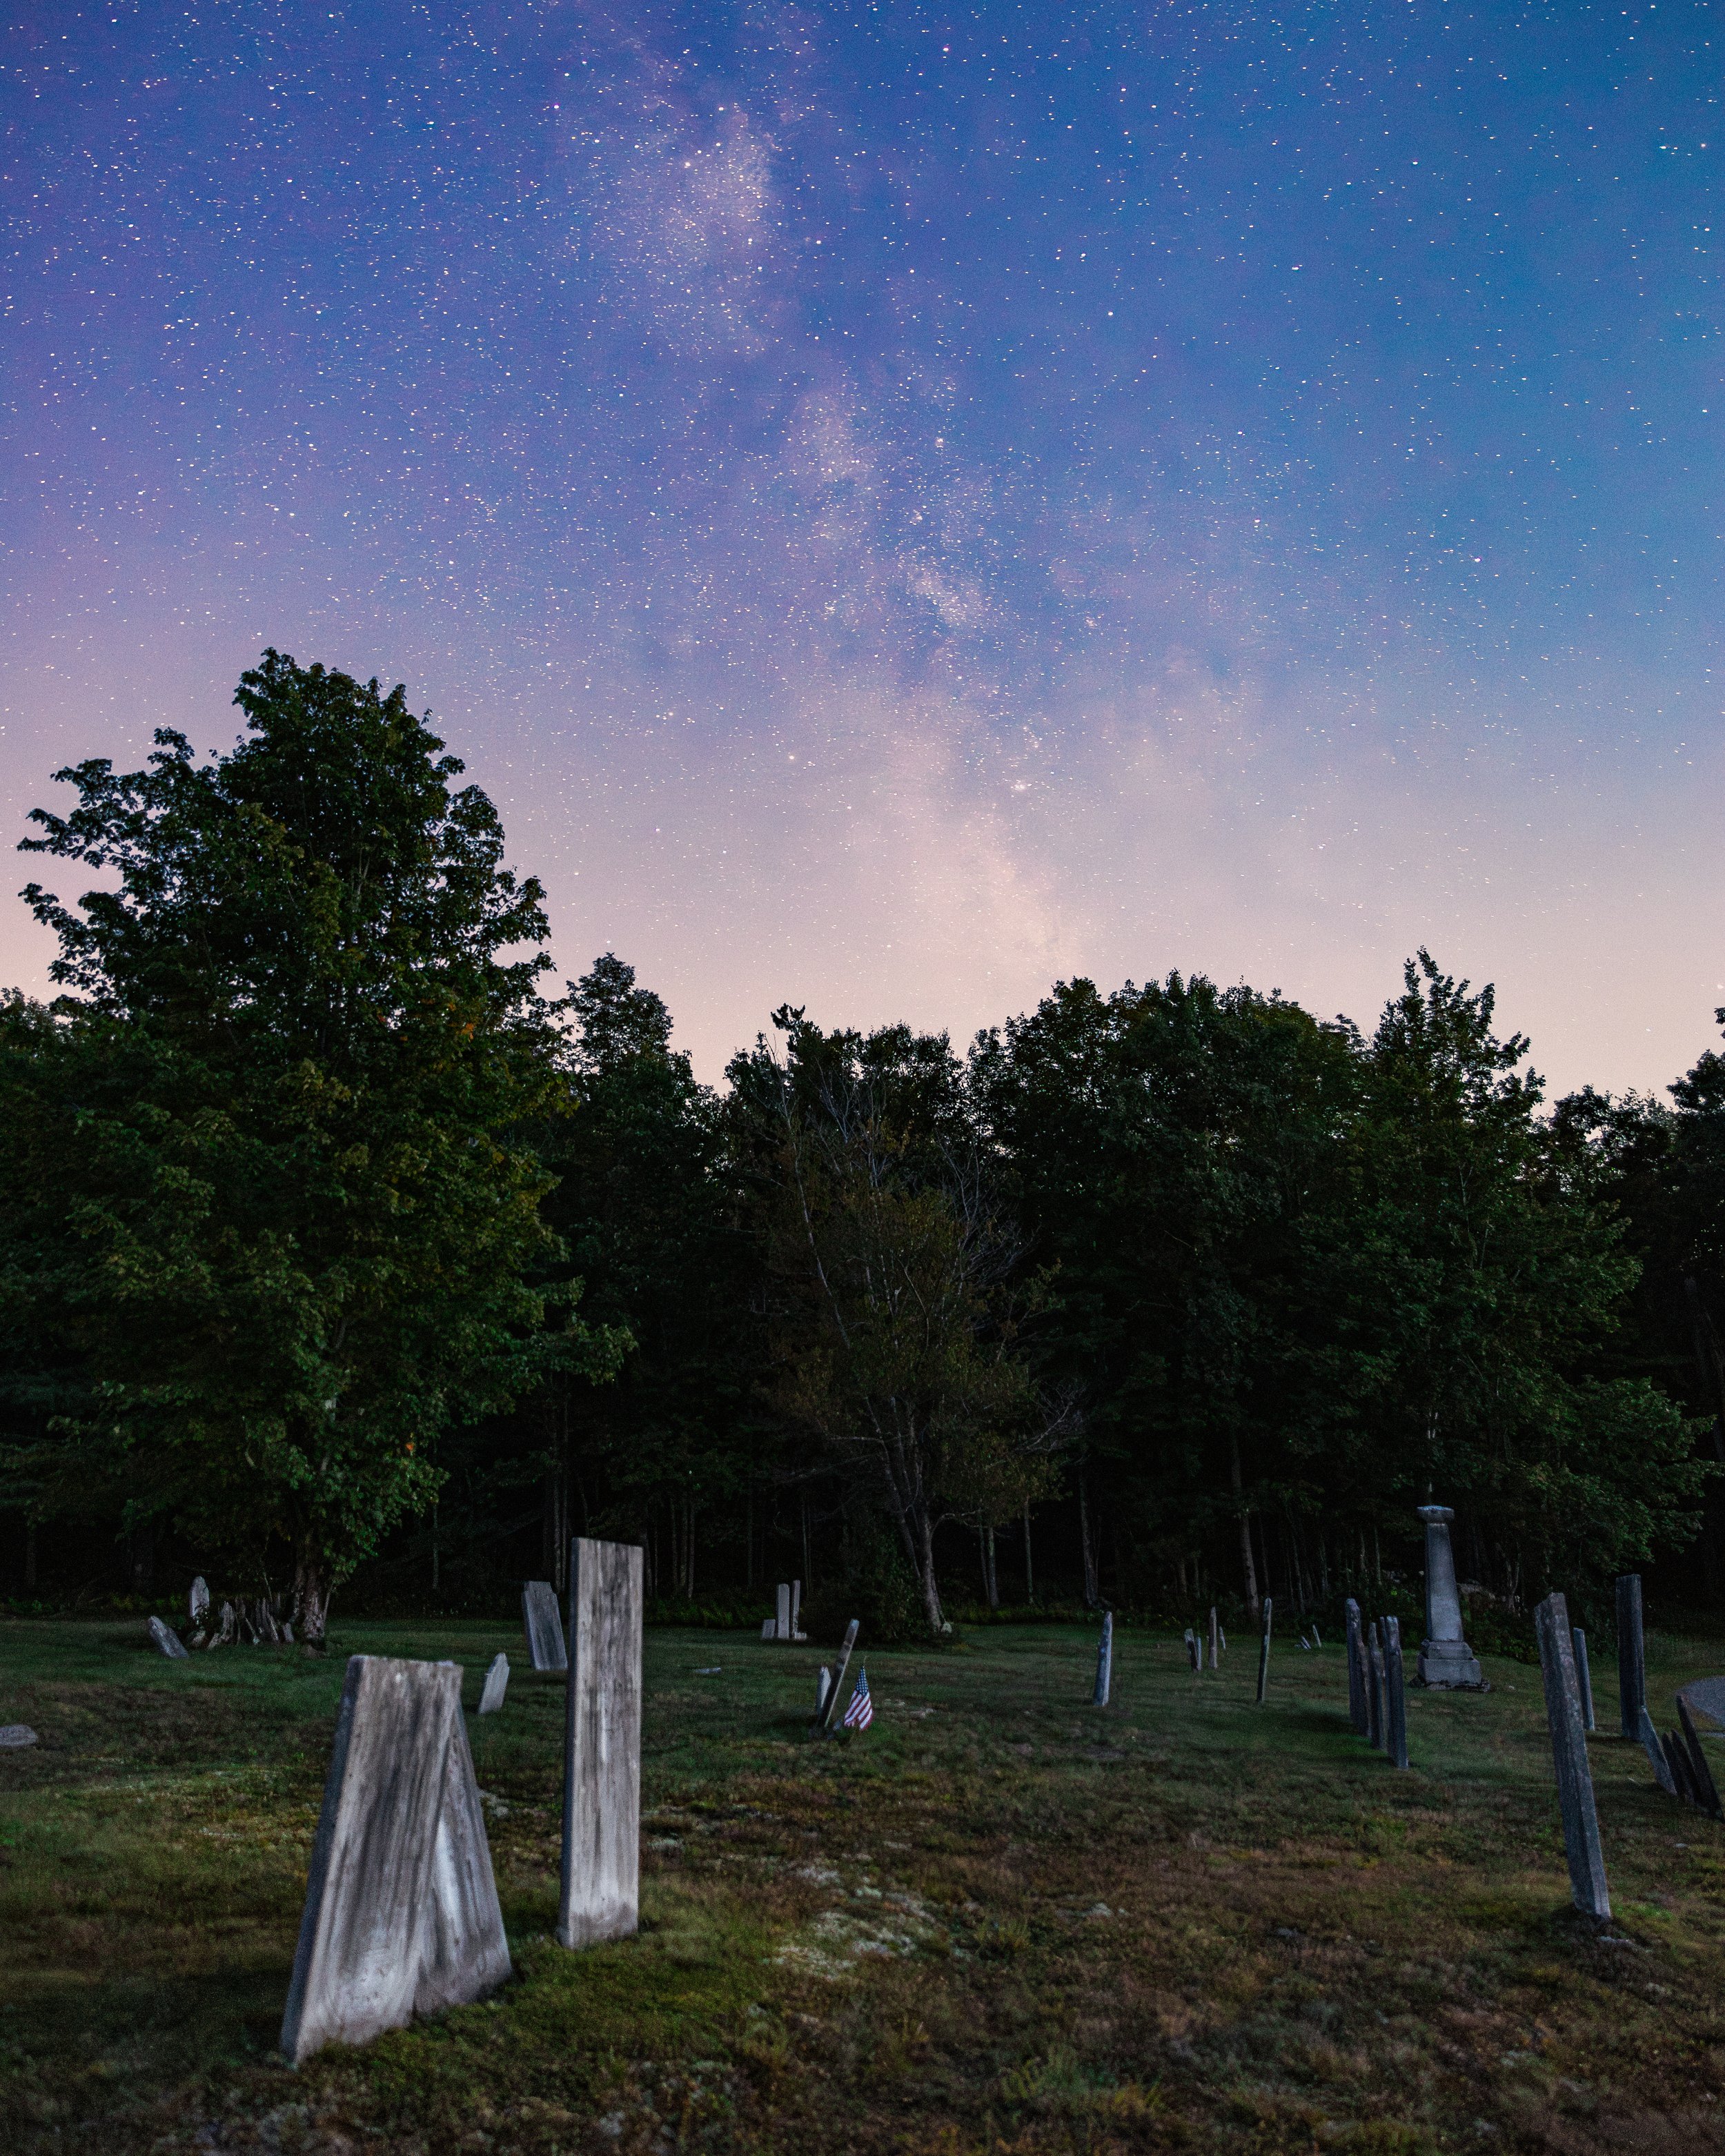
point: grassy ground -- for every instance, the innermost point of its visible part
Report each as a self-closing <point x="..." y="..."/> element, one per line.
<point x="1000" y="1921"/>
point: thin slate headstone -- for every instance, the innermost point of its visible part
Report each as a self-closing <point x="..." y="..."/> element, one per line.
<point x="198" y="1602"/>
<point x="1657" y="1756"/>
<point x="1569" y="1746"/>
<point x="544" y="1627"/>
<point x="1264" y="1652"/>
<point x="825" y="1724"/>
<point x="601" y="1886"/>
<point x="1700" y="1774"/>
<point x="401" y="1907"/>
<point x="1396" y="1694"/>
<point x="1583" y="1677"/>
<point x="782" y="1631"/>
<point x="168" y="1640"/>
<point x="1631" y="1655"/>
<point x="822" y="1689"/>
<point x="495" y="1686"/>
<point x="1678" y="1771"/>
<point x="1357" y="1713"/>
<point x="1446" y="1661"/>
<point x="1105" y="1660"/>
<point x="15" y="1736"/>
<point x="1215" y="1638"/>
<point x="1375" y="1717"/>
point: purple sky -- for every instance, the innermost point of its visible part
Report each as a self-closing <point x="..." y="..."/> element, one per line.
<point x="898" y="505"/>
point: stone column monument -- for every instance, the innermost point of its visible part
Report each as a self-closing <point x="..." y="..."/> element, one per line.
<point x="1446" y="1662"/>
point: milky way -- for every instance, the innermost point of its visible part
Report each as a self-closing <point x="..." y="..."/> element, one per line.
<point x="899" y="506"/>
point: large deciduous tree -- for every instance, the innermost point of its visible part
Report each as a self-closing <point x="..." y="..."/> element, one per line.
<point x="269" y="1220"/>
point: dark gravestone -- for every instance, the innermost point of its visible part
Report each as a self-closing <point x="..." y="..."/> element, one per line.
<point x="168" y="1642"/>
<point x="1105" y="1660"/>
<point x="1584" y="1678"/>
<point x="1707" y="1794"/>
<point x="401" y="1907"/>
<point x="496" y="1686"/>
<point x="1631" y="1656"/>
<point x="1446" y="1661"/>
<point x="1657" y="1755"/>
<point x="1264" y="1652"/>
<point x="1569" y="1746"/>
<point x="1396" y="1694"/>
<point x="822" y="1686"/>
<point x="1357" y="1711"/>
<point x="544" y="1626"/>
<point x="1215" y="1638"/>
<point x="1374" y="1687"/>
<point x="825" y="1723"/>
<point x="601" y="1886"/>
<point x="781" y="1624"/>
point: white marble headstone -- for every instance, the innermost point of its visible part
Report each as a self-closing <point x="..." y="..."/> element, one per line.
<point x="496" y="1684"/>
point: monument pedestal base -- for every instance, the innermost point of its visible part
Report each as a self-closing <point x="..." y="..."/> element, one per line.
<point x="1449" y="1664"/>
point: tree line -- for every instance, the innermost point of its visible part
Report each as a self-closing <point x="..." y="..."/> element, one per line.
<point x="331" y="1242"/>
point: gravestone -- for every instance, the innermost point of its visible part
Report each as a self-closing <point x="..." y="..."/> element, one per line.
<point x="600" y="1897"/>
<point x="822" y="1686"/>
<point x="825" y="1724"/>
<point x="15" y="1736"/>
<point x="1358" y="1712"/>
<point x="1631" y="1655"/>
<point x="226" y="1628"/>
<point x="1707" y="1796"/>
<point x="1105" y="1660"/>
<point x="1648" y="1737"/>
<point x="401" y="1907"/>
<point x="1569" y="1746"/>
<point x="769" y="1628"/>
<point x="1584" y="1678"/>
<point x="167" y="1640"/>
<point x="1446" y="1662"/>
<point x="546" y="1647"/>
<point x="1375" y="1717"/>
<point x="1215" y="1638"/>
<point x="1264" y="1653"/>
<point x="496" y="1685"/>
<point x="1396" y="1694"/>
<point x="781" y="1630"/>
<point x="197" y="1602"/>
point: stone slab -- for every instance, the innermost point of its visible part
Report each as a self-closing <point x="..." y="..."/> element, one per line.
<point x="167" y="1640"/>
<point x="402" y="1915"/>
<point x="544" y="1627"/>
<point x="782" y="1627"/>
<point x="1105" y="1662"/>
<point x="1631" y="1656"/>
<point x="14" y="1735"/>
<point x="601" y="1883"/>
<point x="1568" y="1744"/>
<point x="1648" y="1738"/>
<point x="495" y="1686"/>
<point x="1585" y="1679"/>
<point x="1396" y="1694"/>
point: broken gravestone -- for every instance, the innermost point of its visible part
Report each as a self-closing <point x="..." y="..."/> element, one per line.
<point x="600" y="1888"/>
<point x="167" y="1640"/>
<point x="401" y="1907"/>
<point x="544" y="1626"/>
<point x="496" y="1684"/>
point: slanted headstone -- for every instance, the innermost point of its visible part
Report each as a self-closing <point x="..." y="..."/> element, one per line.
<point x="544" y="1626"/>
<point x="1446" y="1661"/>
<point x="1631" y="1655"/>
<point x="1105" y="1660"/>
<point x="495" y="1686"/>
<point x="1358" y="1712"/>
<point x="1657" y="1756"/>
<point x="1215" y="1640"/>
<point x="1583" y="1677"/>
<point x="1569" y="1746"/>
<point x="782" y="1630"/>
<point x="167" y="1640"/>
<point x="823" y="1687"/>
<point x="601" y="1886"/>
<point x="1707" y="1796"/>
<point x="1396" y="1694"/>
<point x="825" y="1723"/>
<point x="1264" y="1653"/>
<point x="14" y="1735"/>
<point x="197" y="1602"/>
<point x="1375" y="1717"/>
<point x="401" y="1907"/>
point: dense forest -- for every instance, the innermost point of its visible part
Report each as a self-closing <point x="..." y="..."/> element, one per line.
<point x="341" y="1258"/>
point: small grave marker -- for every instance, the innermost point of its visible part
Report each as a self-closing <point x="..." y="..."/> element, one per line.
<point x="1105" y="1660"/>
<point x="167" y="1640"/>
<point x="1568" y="1745"/>
<point x="14" y="1735"/>
<point x="495" y="1686"/>
<point x="546" y="1647"/>
<point x="600" y="1890"/>
<point x="401" y="1907"/>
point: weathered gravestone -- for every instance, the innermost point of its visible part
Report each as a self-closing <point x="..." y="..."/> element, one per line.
<point x="1375" y="1687"/>
<point x="1396" y="1694"/>
<point x="1631" y="1656"/>
<point x="1706" y="1796"/>
<point x="14" y="1735"/>
<point x="782" y="1626"/>
<point x="1358" y="1712"/>
<point x="1215" y="1638"/>
<point x="769" y="1628"/>
<point x="167" y="1640"/>
<point x="1105" y="1660"/>
<point x="825" y="1723"/>
<point x="1569" y="1747"/>
<point x="197" y="1602"/>
<point x="1584" y="1678"/>
<point x="1656" y="1758"/>
<point x="495" y="1686"/>
<point x="1264" y="1653"/>
<point x="1446" y="1661"/>
<point x="822" y="1686"/>
<point x="544" y="1626"/>
<point x="600" y="1897"/>
<point x="401" y="1907"/>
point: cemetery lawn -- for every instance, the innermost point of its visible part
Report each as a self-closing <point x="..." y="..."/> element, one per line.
<point x="999" y="1921"/>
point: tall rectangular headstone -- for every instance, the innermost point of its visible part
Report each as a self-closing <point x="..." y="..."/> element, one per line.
<point x="600" y="1894"/>
<point x="1357" y="1713"/>
<point x="1215" y="1638"/>
<point x="1105" y="1660"/>
<point x="401" y="1914"/>
<point x="1631" y="1656"/>
<point x="1584" y="1678"/>
<point x="1569" y="1747"/>
<point x="544" y="1626"/>
<point x="1375" y="1717"/>
<point x="1446" y="1661"/>
<point x="1396" y="1694"/>
<point x="783" y="1629"/>
<point x="1264" y="1653"/>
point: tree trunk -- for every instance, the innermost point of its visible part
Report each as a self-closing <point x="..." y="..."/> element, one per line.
<point x="991" y="1583"/>
<point x="1087" y="1544"/>
<point x="1249" y="1564"/>
<point x="1029" y="1580"/>
<point x="311" y="1595"/>
<point x="924" y="1552"/>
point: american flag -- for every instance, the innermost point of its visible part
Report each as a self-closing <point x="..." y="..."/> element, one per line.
<point x="860" y="1712"/>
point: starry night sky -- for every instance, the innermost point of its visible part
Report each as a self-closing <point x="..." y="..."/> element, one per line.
<point x="899" y="505"/>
